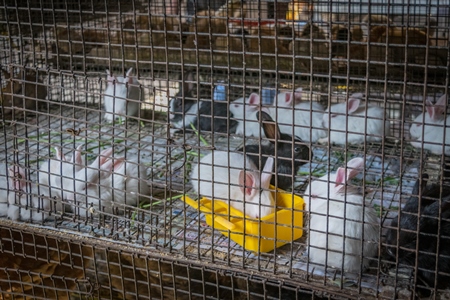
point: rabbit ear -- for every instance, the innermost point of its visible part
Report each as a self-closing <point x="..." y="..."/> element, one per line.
<point x="247" y="182"/>
<point x="76" y="158"/>
<point x="102" y="157"/>
<point x="59" y="154"/>
<point x="430" y="109"/>
<point x="110" y="77"/>
<point x="442" y="101"/>
<point x="17" y="177"/>
<point x="112" y="164"/>
<point x="440" y="106"/>
<point x="128" y="76"/>
<point x="353" y="104"/>
<point x="269" y="126"/>
<point x="266" y="174"/>
<point x="354" y="166"/>
<point x="129" y="72"/>
<point x="253" y="99"/>
<point x="298" y="96"/>
<point x="288" y="98"/>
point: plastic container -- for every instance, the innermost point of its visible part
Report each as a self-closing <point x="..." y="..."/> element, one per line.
<point x="257" y="235"/>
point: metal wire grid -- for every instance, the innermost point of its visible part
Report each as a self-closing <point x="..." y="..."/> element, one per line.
<point x="168" y="227"/>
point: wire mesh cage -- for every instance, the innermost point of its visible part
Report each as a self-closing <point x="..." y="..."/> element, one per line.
<point x="224" y="149"/>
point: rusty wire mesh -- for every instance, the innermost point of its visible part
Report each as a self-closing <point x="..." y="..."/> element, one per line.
<point x="92" y="189"/>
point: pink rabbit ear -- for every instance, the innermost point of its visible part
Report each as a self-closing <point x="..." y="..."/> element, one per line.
<point x="440" y="106"/>
<point x="353" y="104"/>
<point x="288" y="98"/>
<point x="17" y="177"/>
<point x="247" y="182"/>
<point x="298" y="96"/>
<point x="442" y="101"/>
<point x="112" y="164"/>
<point x="266" y="174"/>
<point x="102" y="158"/>
<point x="430" y="109"/>
<point x="354" y="166"/>
<point x="253" y="99"/>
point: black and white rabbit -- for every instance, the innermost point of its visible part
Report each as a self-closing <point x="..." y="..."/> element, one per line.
<point x="244" y="110"/>
<point x="290" y="152"/>
<point x="423" y="232"/>
<point x="185" y="110"/>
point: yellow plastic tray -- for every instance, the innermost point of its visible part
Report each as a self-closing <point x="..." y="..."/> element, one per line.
<point x="260" y="235"/>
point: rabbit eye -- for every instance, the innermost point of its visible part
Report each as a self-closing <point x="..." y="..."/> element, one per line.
<point x="297" y="149"/>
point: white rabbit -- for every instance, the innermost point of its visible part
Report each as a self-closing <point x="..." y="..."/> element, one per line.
<point x="110" y="180"/>
<point x="122" y="96"/>
<point x="55" y="172"/>
<point x="236" y="181"/>
<point x="289" y="110"/>
<point x="433" y="130"/>
<point x="347" y="122"/>
<point x="245" y="114"/>
<point x="77" y="185"/>
<point x="330" y="201"/>
<point x="26" y="201"/>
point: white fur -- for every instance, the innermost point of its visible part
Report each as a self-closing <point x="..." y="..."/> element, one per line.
<point x="347" y="123"/>
<point x="122" y="96"/>
<point x="34" y="200"/>
<point x="330" y="209"/>
<point x="223" y="172"/>
<point x="108" y="181"/>
<point x="431" y="135"/>
<point x="245" y="115"/>
<point x="290" y="111"/>
<point x="55" y="172"/>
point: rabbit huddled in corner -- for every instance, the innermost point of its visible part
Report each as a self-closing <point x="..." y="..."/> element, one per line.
<point x="106" y="184"/>
<point x="340" y="222"/>
<point x="289" y="157"/>
<point x="26" y="201"/>
<point x="233" y="178"/>
<point x="289" y="110"/>
<point x="354" y="122"/>
<point x="122" y="96"/>
<point x="433" y="229"/>
<point x="205" y="115"/>
<point x="428" y="128"/>
<point x="244" y="110"/>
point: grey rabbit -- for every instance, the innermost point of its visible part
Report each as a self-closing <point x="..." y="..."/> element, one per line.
<point x="289" y="157"/>
<point x="424" y="236"/>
